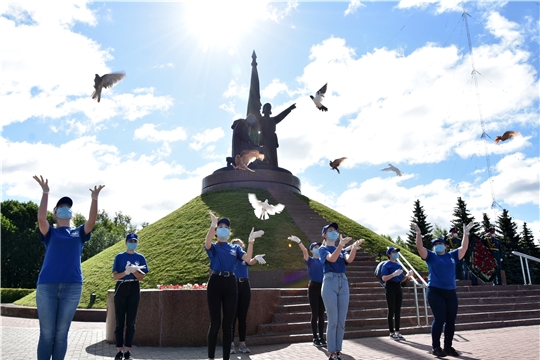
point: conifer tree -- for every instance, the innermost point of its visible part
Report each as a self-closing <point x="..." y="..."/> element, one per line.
<point x="486" y="222"/>
<point x="462" y="216"/>
<point x="507" y="232"/>
<point x="419" y="218"/>
<point x="530" y="248"/>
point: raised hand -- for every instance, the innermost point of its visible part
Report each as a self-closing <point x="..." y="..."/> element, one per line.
<point x="467" y="228"/>
<point x="214" y="219"/>
<point x="260" y="259"/>
<point x="43" y="183"/>
<point x="344" y="241"/>
<point x="416" y="228"/>
<point x="295" y="239"/>
<point x="255" y="234"/>
<point x="95" y="192"/>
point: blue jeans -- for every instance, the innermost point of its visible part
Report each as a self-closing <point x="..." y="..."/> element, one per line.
<point x="335" y="294"/>
<point x="56" y="305"/>
<point x="444" y="306"/>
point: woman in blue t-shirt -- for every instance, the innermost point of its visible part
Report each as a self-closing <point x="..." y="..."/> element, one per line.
<point x="392" y="275"/>
<point x="335" y="286"/>
<point x="441" y="293"/>
<point x="244" y="297"/>
<point x="129" y="268"/>
<point x="221" y="291"/>
<point x="316" y="303"/>
<point x="59" y="285"/>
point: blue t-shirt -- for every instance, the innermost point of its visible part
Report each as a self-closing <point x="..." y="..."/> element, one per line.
<point x="63" y="251"/>
<point x="241" y="270"/>
<point x="338" y="266"/>
<point x="389" y="267"/>
<point x="122" y="259"/>
<point x="223" y="256"/>
<point x="315" y="269"/>
<point x="442" y="269"/>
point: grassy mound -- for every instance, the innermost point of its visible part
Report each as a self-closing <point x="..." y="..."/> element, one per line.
<point x="174" y="245"/>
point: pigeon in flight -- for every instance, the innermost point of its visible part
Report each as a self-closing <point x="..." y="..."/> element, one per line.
<point x="394" y="169"/>
<point x="334" y="164"/>
<point x="105" y="81"/>
<point x="245" y="158"/>
<point x="318" y="98"/>
<point x="507" y="135"/>
<point x="263" y="209"/>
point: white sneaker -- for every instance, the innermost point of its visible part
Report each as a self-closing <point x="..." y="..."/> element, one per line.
<point x="400" y="337"/>
<point x="394" y="336"/>
<point x="243" y="349"/>
<point x="232" y="349"/>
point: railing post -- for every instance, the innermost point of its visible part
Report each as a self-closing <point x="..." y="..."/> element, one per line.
<point x="417" y="306"/>
<point x="425" y="305"/>
<point x="523" y="271"/>
<point x="528" y="272"/>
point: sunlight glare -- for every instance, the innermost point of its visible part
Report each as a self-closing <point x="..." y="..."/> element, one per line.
<point x="222" y="23"/>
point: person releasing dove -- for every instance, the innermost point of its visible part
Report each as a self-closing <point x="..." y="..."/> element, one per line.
<point x="263" y="209"/>
<point x="105" y="81"/>
<point x="318" y="98"/>
<point x="394" y="169"/>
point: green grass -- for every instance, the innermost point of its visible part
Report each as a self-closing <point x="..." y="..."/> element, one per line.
<point x="174" y="245"/>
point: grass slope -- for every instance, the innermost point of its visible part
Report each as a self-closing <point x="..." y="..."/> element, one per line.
<point x="174" y="245"/>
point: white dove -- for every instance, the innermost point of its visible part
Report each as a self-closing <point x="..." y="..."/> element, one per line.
<point x="394" y="169"/>
<point x="318" y="98"/>
<point x="263" y="209"/>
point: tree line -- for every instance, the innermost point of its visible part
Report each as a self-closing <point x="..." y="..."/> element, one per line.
<point x="505" y="228"/>
<point x="22" y="253"/>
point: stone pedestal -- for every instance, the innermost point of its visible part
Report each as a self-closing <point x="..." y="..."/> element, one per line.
<point x="180" y="317"/>
<point x="264" y="177"/>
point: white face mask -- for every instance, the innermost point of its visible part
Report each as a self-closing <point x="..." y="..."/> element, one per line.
<point x="454" y="235"/>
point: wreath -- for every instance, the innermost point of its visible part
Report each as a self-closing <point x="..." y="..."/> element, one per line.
<point x="480" y="261"/>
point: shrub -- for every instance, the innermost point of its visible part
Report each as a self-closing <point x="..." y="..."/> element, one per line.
<point x="12" y="295"/>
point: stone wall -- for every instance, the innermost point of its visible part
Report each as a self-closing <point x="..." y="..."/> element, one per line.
<point x="180" y="317"/>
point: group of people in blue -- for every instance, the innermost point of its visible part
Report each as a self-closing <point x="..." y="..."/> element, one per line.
<point x="59" y="285"/>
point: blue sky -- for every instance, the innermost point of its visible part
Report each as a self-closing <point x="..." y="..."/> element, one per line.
<point x="400" y="90"/>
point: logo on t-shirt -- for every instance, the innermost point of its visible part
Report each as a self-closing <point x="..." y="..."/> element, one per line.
<point x="74" y="233"/>
<point x="135" y="263"/>
<point x="453" y="261"/>
<point x="233" y="252"/>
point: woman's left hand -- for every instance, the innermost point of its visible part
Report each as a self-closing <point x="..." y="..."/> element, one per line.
<point x="255" y="234"/>
<point x="95" y="192"/>
<point x="344" y="241"/>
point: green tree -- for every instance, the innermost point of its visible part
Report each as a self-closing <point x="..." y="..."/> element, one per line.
<point x="486" y="222"/>
<point x="419" y="218"/>
<point x="506" y="229"/>
<point x="400" y="242"/>
<point x="528" y="247"/>
<point x="22" y="252"/>
<point x="462" y="216"/>
<point x="439" y="232"/>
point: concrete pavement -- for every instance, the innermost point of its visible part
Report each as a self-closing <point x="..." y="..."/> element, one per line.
<point x="87" y="341"/>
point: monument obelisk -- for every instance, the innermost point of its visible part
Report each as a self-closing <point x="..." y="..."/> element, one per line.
<point x="255" y="132"/>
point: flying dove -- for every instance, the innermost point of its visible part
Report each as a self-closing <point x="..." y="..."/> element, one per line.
<point x="245" y="158"/>
<point x="263" y="209"/>
<point x="507" y="135"/>
<point x="105" y="81"/>
<point x="318" y="98"/>
<point x="334" y="164"/>
<point x="394" y="169"/>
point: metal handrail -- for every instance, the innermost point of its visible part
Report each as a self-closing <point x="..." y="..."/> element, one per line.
<point x="417" y="284"/>
<point x="527" y="258"/>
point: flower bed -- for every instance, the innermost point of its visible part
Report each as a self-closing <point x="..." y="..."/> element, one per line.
<point x="182" y="287"/>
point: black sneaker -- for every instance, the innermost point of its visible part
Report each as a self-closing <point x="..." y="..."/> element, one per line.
<point x="127" y="356"/>
<point x="317" y="342"/>
<point x="119" y="356"/>
<point x="323" y="342"/>
<point x="438" y="352"/>
<point x="451" y="352"/>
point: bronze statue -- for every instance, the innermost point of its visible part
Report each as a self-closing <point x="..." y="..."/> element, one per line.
<point x="257" y="131"/>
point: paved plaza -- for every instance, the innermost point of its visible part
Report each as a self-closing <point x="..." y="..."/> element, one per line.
<point x="87" y="341"/>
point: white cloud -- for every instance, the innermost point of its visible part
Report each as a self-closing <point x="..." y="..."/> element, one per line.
<point x="48" y="69"/>
<point x="208" y="136"/>
<point x="274" y="88"/>
<point x="353" y="6"/>
<point x="149" y="132"/>
<point x="169" y="65"/>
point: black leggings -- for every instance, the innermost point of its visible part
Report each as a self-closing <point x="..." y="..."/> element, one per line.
<point x="242" y="307"/>
<point x="394" y="298"/>
<point x="317" y="308"/>
<point x="126" y="303"/>
<point x="221" y="291"/>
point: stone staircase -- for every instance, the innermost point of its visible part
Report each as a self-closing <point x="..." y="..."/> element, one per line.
<point x="482" y="306"/>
